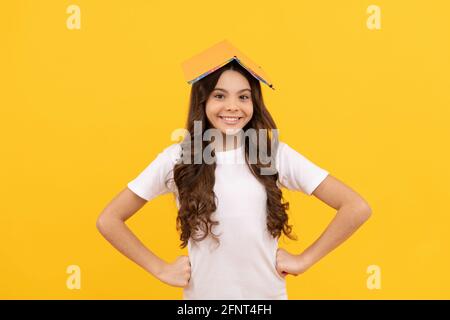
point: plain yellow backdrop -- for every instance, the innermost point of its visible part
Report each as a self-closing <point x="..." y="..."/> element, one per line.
<point x="84" y="111"/>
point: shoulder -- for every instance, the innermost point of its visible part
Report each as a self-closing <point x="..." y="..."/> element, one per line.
<point x="287" y="156"/>
<point x="172" y="152"/>
<point x="288" y="159"/>
<point x="296" y="171"/>
<point x="283" y="150"/>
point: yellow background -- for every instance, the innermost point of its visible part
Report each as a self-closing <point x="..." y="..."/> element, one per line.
<point x="84" y="111"/>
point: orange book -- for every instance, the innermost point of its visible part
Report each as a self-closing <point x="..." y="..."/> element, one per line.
<point x="218" y="55"/>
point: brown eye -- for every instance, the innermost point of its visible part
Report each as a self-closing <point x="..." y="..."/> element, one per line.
<point x="247" y="97"/>
<point x="217" y="95"/>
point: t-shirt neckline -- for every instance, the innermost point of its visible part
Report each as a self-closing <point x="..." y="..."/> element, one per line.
<point x="232" y="156"/>
<point x="230" y="150"/>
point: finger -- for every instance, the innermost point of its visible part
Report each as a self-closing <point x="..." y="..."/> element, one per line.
<point x="279" y="271"/>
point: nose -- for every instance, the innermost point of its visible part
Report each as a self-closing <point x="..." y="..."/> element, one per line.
<point x="232" y="107"/>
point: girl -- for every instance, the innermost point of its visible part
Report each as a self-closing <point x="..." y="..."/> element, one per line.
<point x="230" y="215"/>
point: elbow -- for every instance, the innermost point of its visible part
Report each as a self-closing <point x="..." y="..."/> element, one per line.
<point x="102" y="223"/>
<point x="363" y="210"/>
<point x="358" y="212"/>
<point x="107" y="221"/>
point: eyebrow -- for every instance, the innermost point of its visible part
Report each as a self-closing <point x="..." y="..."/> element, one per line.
<point x="227" y="91"/>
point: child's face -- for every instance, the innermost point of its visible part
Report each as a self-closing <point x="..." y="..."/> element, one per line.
<point x="229" y="106"/>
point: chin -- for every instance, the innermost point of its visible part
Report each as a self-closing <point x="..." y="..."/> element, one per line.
<point x="231" y="131"/>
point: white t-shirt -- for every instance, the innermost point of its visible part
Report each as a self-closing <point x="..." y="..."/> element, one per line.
<point x="243" y="265"/>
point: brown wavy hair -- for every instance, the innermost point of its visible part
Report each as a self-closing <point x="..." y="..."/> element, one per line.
<point x="195" y="182"/>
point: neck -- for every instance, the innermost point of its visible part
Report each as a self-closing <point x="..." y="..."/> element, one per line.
<point x="229" y="142"/>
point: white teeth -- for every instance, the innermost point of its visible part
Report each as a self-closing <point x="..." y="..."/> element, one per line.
<point x="230" y="120"/>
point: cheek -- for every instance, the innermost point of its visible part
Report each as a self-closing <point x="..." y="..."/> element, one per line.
<point x="212" y="106"/>
<point x="211" y="111"/>
<point x="249" y="112"/>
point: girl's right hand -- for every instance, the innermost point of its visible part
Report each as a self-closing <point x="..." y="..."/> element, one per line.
<point x="177" y="273"/>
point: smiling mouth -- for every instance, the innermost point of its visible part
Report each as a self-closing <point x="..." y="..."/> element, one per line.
<point x="230" y="120"/>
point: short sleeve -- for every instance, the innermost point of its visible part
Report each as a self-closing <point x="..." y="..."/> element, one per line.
<point x="151" y="182"/>
<point x="296" y="172"/>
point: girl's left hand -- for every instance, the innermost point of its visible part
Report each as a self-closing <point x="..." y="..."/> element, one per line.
<point x="290" y="263"/>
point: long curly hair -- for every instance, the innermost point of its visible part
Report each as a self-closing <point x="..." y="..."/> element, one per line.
<point x="195" y="182"/>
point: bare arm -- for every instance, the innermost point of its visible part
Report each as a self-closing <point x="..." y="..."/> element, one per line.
<point x="111" y="224"/>
<point x="352" y="212"/>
